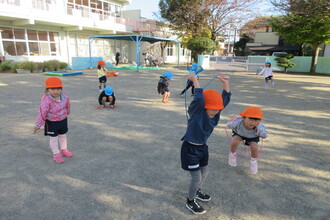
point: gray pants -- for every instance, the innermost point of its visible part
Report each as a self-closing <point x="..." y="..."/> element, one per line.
<point x="197" y="181"/>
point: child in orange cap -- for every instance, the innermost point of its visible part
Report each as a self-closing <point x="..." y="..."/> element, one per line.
<point x="204" y="112"/>
<point x="53" y="111"/>
<point x="101" y="73"/>
<point x="248" y="129"/>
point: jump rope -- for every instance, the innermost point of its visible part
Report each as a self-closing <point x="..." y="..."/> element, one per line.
<point x="225" y="128"/>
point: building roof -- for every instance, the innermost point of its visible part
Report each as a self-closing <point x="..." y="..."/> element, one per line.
<point x="134" y="37"/>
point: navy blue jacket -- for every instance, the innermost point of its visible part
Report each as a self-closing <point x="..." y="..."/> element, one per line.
<point x="200" y="126"/>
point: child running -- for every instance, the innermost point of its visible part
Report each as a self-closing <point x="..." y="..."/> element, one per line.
<point x="162" y="87"/>
<point x="192" y="71"/>
<point x="267" y="71"/>
<point x="101" y="73"/>
<point x="204" y="113"/>
<point x="107" y="95"/>
<point x="53" y="111"/>
<point x="248" y="129"/>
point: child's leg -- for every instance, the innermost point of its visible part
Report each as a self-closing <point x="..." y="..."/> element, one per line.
<point x="104" y="85"/>
<point x="100" y="86"/>
<point x="167" y="95"/>
<point x="53" y="142"/>
<point x="232" y="160"/>
<point x="104" y="99"/>
<point x="204" y="173"/>
<point x="110" y="101"/>
<point x="254" y="149"/>
<point x="196" y="177"/>
<point x="234" y="143"/>
<point x="272" y="81"/>
<point x="254" y="157"/>
<point x="266" y="83"/>
<point x="63" y="141"/>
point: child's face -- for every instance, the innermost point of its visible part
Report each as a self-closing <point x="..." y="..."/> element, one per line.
<point x="250" y="123"/>
<point x="211" y="112"/>
<point x="55" y="92"/>
<point x="267" y="65"/>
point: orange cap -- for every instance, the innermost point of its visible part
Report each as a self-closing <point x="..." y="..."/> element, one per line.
<point x="252" y="112"/>
<point x="101" y="62"/>
<point x="213" y="100"/>
<point x="53" y="82"/>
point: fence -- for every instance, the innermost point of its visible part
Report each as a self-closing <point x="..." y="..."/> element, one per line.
<point x="252" y="63"/>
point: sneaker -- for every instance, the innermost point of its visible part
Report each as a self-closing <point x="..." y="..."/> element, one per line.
<point x="202" y="196"/>
<point x="232" y="160"/>
<point x="58" y="158"/>
<point x="195" y="207"/>
<point x="254" y="167"/>
<point x="266" y="86"/>
<point x="66" y="153"/>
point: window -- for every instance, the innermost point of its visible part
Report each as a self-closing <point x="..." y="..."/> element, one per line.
<point x="169" y="49"/>
<point x="22" y="42"/>
<point x="19" y="34"/>
<point x="7" y="33"/>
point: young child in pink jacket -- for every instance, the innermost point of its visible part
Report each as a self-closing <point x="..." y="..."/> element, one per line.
<point x="53" y="111"/>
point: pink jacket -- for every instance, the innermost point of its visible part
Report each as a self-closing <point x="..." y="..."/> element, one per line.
<point x="52" y="110"/>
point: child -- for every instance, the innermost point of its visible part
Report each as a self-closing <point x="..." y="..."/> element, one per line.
<point x="268" y="73"/>
<point x="249" y="129"/>
<point x="101" y="73"/>
<point x="162" y="87"/>
<point x="107" y="95"/>
<point x="204" y="113"/>
<point x="53" y="111"/>
<point x="192" y="71"/>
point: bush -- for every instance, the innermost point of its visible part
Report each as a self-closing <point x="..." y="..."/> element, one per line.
<point x="52" y="65"/>
<point x="63" y="65"/>
<point x="39" y="66"/>
<point x="284" y="60"/>
<point x="14" y="66"/>
<point x="4" y="66"/>
<point x="27" y="65"/>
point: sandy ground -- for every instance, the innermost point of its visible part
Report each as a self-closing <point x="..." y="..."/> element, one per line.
<point x="126" y="162"/>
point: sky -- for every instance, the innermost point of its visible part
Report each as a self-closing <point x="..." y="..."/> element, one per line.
<point x="146" y="6"/>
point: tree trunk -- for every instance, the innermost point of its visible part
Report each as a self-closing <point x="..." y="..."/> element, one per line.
<point x="314" y="59"/>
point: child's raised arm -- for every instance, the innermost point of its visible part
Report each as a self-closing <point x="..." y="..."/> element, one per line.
<point x="225" y="82"/>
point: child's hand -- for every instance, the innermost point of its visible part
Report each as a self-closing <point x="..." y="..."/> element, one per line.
<point x="223" y="78"/>
<point x="192" y="77"/>
<point x="225" y="82"/>
<point x="36" y="130"/>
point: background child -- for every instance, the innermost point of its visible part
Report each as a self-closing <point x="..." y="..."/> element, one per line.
<point x="162" y="87"/>
<point x="53" y="111"/>
<point x="204" y="113"/>
<point x="267" y="71"/>
<point x="192" y="71"/>
<point x="101" y="73"/>
<point x="107" y="95"/>
<point x="248" y="129"/>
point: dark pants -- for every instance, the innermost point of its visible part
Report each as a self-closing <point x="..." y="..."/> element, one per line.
<point x="189" y="84"/>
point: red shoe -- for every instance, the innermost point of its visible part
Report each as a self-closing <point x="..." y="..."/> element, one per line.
<point x="66" y="153"/>
<point x="58" y="158"/>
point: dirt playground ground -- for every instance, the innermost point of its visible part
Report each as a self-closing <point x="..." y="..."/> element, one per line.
<point x="126" y="162"/>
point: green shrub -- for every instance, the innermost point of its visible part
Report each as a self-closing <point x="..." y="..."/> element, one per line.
<point x="39" y="66"/>
<point x="27" y="65"/>
<point x="63" y="65"/>
<point x="5" y="66"/>
<point x="52" y="65"/>
<point x="14" y="66"/>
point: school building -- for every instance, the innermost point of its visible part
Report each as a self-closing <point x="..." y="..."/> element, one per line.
<point x="39" y="30"/>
